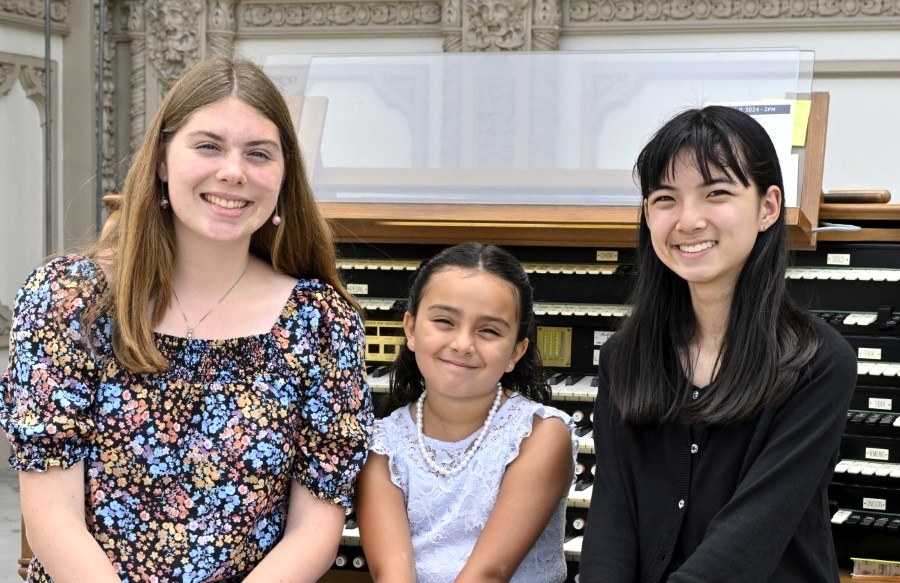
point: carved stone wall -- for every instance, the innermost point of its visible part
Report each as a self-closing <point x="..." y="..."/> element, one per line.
<point x="598" y="16"/>
<point x="30" y="13"/>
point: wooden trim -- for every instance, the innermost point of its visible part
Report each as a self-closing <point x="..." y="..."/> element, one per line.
<point x="860" y="212"/>
<point x="553" y="225"/>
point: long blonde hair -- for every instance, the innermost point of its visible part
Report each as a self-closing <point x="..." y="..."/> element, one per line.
<point x="139" y="247"/>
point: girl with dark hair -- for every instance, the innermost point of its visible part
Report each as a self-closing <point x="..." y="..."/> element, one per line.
<point x="468" y="473"/>
<point x="186" y="400"/>
<point x="721" y="403"/>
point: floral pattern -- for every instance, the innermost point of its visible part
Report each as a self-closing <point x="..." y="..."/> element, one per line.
<point x="187" y="472"/>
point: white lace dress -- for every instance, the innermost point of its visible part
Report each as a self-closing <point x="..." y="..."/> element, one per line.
<point x="446" y="514"/>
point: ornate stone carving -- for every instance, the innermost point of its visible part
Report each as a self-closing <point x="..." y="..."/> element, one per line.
<point x="496" y="25"/>
<point x="451" y="26"/>
<point x="138" y="92"/>
<point x="8" y="75"/>
<point x="545" y="25"/>
<point x="371" y="13"/>
<point x="29" y="75"/>
<point x="59" y="9"/>
<point x="221" y="27"/>
<point x="604" y="14"/>
<point x="107" y="173"/>
<point x="173" y="36"/>
<point x="501" y="25"/>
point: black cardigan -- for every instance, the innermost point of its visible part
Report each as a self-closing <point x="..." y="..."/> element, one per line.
<point x="748" y="503"/>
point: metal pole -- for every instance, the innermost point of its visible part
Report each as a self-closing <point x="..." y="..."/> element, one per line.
<point x="48" y="137"/>
<point x="101" y="54"/>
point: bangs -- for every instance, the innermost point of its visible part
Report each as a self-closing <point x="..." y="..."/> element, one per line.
<point x="710" y="146"/>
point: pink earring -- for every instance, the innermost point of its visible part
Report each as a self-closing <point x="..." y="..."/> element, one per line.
<point x="276" y="220"/>
<point x="164" y="201"/>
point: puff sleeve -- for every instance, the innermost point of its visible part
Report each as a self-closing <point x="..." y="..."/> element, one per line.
<point x="48" y="388"/>
<point x="336" y="410"/>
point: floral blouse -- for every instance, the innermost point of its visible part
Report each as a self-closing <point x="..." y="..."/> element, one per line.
<point x="187" y="472"/>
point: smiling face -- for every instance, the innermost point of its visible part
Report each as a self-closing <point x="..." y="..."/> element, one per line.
<point x="704" y="230"/>
<point x="224" y="169"/>
<point x="464" y="332"/>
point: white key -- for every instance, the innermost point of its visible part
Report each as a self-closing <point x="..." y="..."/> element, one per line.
<point x="586" y="444"/>
<point x="856" y="467"/>
<point x="878" y="369"/>
<point x="842" y="466"/>
<point x="864" y="366"/>
<point x="886" y="469"/>
<point x="851" y="319"/>
<point x="870" y="468"/>
<point x="579" y="498"/>
<point x="841" y="516"/>
<point x="572" y="549"/>
<point x="350" y="536"/>
<point x="866" y="319"/>
<point x="892" y="370"/>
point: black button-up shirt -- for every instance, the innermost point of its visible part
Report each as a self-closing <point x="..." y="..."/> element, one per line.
<point x="748" y="503"/>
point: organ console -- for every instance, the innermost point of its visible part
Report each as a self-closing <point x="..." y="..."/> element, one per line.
<point x="580" y="259"/>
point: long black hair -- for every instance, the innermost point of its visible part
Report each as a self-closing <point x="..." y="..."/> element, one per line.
<point x="768" y="340"/>
<point x="526" y="378"/>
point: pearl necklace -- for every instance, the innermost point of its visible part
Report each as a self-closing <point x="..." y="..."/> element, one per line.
<point x="470" y="451"/>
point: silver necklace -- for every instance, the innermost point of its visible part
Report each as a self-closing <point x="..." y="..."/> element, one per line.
<point x="470" y="452"/>
<point x="190" y="329"/>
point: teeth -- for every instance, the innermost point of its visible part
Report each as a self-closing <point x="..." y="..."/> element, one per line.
<point x="224" y="203"/>
<point x="696" y="248"/>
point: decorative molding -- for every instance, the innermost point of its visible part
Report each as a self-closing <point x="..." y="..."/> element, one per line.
<point x="500" y="25"/>
<point x="355" y="18"/>
<point x="5" y="325"/>
<point x="546" y="19"/>
<point x="174" y="41"/>
<point x="221" y="27"/>
<point x="663" y="16"/>
<point x="496" y="25"/>
<point x="30" y="14"/>
<point x="29" y="72"/>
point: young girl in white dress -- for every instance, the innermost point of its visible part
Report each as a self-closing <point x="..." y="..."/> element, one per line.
<point x="468" y="473"/>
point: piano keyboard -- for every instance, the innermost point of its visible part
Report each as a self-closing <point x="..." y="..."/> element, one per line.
<point x="847" y="274"/>
<point x="798" y="272"/>
<point x="874" y="368"/>
<point x="890" y="522"/>
<point x="572" y="549"/>
<point x="868" y="468"/>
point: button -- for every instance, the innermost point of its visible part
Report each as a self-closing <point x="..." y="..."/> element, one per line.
<point x="681" y="503"/>
<point x="695" y="395"/>
<point x="695" y="448"/>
